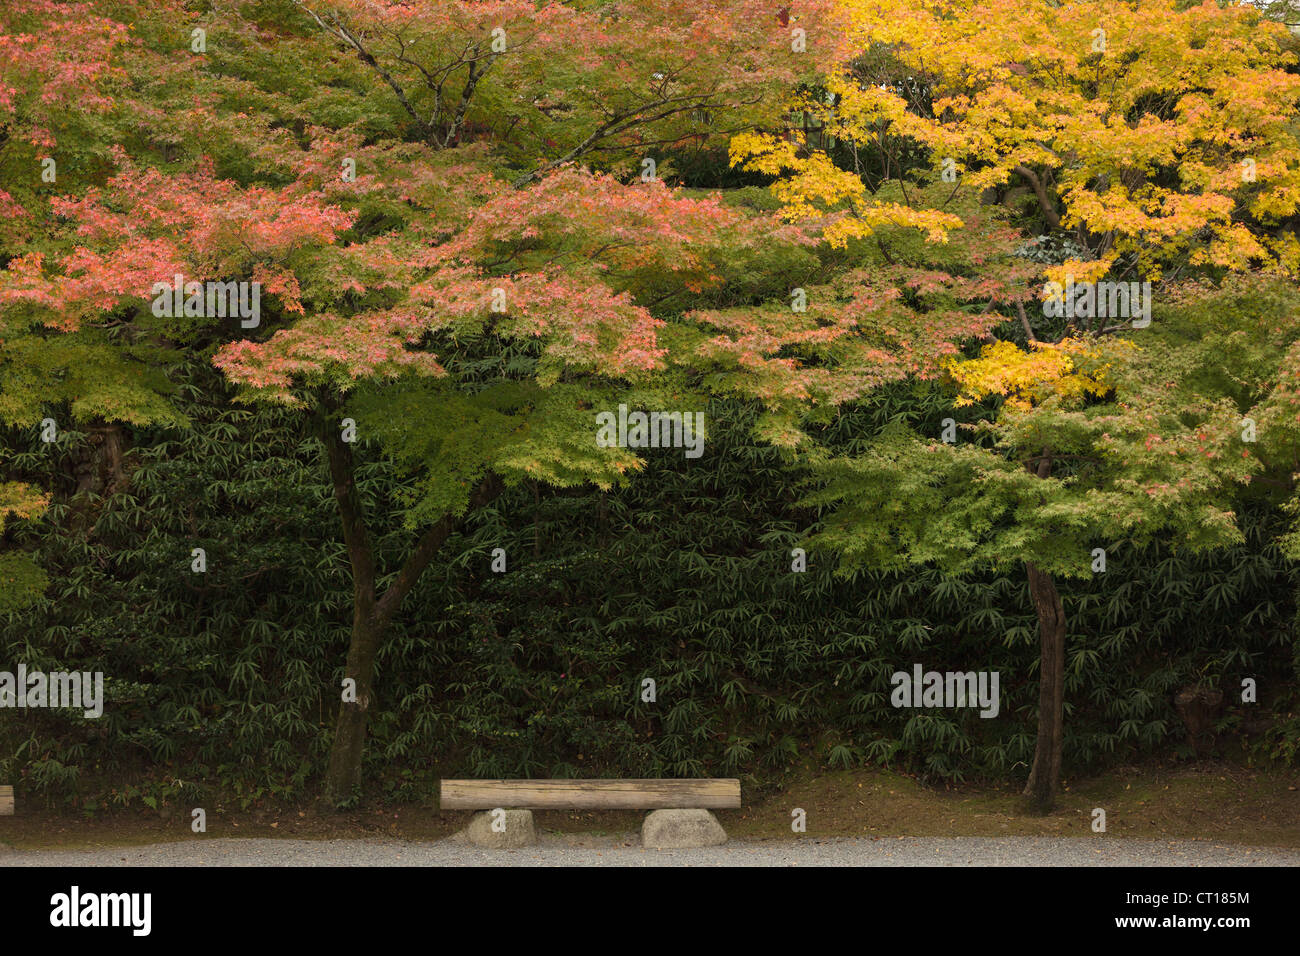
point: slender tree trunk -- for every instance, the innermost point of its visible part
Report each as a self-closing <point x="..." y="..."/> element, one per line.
<point x="371" y="613"/>
<point x="343" y="775"/>
<point x="1040" y="791"/>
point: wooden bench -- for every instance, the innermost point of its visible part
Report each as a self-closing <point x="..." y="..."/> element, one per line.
<point x="697" y="794"/>
<point x="6" y="801"/>
<point x="680" y="816"/>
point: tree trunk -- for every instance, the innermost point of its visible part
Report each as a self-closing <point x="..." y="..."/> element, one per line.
<point x="98" y="467"/>
<point x="371" y="613"/>
<point x="343" y="776"/>
<point x="1044" y="776"/>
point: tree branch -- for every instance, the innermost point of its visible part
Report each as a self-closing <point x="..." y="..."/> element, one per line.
<point x="355" y="536"/>
<point x="617" y="124"/>
<point x="428" y="546"/>
<point x="475" y="74"/>
<point x="344" y="34"/>
<point x="1024" y="321"/>
<point x="1044" y="201"/>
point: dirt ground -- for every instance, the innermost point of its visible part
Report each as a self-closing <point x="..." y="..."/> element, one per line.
<point x="1202" y="801"/>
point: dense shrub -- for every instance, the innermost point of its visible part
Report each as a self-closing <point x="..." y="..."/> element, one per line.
<point x="224" y="682"/>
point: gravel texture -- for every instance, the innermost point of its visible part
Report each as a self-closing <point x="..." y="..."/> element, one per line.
<point x="557" y="850"/>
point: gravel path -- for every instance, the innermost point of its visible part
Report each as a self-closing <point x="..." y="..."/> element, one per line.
<point x="559" y="851"/>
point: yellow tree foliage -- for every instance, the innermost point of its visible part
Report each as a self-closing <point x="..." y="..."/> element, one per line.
<point x="1070" y="369"/>
<point x="1158" y="131"/>
<point x="1161" y="137"/>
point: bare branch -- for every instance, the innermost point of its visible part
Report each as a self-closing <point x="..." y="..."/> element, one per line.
<point x="344" y="34"/>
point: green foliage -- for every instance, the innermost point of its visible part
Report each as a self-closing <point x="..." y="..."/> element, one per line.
<point x="222" y="685"/>
<point x="21" y="581"/>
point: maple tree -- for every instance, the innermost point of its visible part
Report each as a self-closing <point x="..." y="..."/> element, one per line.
<point x="483" y="336"/>
<point x="400" y="181"/>
<point x="1157" y="141"/>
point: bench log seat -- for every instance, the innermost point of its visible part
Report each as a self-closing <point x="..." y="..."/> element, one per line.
<point x="680" y="814"/>
<point x="648" y="794"/>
